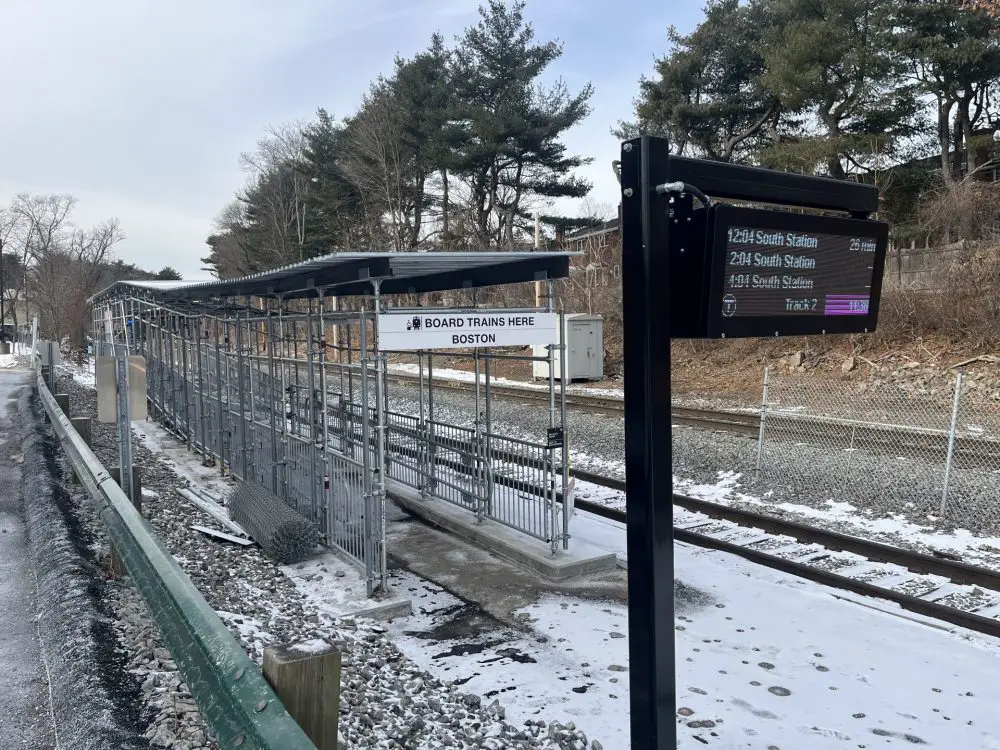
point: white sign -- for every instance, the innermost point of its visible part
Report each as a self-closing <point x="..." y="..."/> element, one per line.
<point x="448" y="330"/>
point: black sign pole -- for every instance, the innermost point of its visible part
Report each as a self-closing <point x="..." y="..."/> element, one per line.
<point x="649" y="471"/>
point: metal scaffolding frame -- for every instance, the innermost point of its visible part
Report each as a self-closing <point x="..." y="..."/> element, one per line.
<point x="266" y="378"/>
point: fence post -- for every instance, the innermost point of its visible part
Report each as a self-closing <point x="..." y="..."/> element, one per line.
<point x="951" y="441"/>
<point x="366" y="458"/>
<point x="763" y="419"/>
<point x="478" y="474"/>
<point x="431" y="454"/>
<point x="307" y="681"/>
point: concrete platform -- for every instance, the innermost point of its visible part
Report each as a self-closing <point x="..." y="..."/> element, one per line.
<point x="336" y="587"/>
<point x="581" y="559"/>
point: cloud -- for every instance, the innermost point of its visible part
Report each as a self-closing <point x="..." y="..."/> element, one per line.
<point x="141" y="108"/>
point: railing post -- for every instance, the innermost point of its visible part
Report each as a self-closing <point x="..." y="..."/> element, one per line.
<point x="366" y="460"/>
<point x="951" y="442"/>
<point x="564" y="451"/>
<point x="422" y="427"/>
<point x="431" y="448"/>
<point x="548" y="478"/>
<point x="478" y="472"/>
<point x="271" y="403"/>
<point x="314" y="476"/>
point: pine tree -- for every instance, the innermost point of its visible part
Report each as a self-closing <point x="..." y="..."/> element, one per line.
<point x="708" y="96"/>
<point x="835" y="62"/>
<point x="509" y="126"/>
<point x="332" y="203"/>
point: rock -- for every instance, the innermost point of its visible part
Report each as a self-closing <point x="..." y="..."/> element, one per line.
<point x="473" y="700"/>
<point x="796" y="360"/>
<point x="848" y="365"/>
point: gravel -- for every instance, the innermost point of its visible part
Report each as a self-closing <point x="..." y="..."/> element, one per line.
<point x="386" y="700"/>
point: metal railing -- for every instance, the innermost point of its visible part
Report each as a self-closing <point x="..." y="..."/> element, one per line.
<point x="235" y="700"/>
<point x="265" y="393"/>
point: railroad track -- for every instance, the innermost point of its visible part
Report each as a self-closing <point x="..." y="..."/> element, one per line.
<point x="747" y="424"/>
<point x="936" y="586"/>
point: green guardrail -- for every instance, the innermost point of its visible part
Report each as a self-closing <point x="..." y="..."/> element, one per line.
<point x="237" y="702"/>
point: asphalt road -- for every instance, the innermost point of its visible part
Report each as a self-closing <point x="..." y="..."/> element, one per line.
<point x="25" y="710"/>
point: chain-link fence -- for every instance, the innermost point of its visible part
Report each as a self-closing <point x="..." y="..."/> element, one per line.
<point x="925" y="451"/>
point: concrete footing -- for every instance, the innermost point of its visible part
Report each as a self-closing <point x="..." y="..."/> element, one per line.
<point x="532" y="554"/>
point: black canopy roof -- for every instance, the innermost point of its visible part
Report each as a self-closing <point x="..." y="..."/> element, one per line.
<point x="346" y="274"/>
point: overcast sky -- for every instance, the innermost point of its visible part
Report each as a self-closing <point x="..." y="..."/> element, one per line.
<point x="141" y="108"/>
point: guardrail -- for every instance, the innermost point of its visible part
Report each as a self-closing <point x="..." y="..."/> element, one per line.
<point x="236" y="701"/>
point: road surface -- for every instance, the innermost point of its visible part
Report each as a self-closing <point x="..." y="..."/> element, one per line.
<point x="25" y="711"/>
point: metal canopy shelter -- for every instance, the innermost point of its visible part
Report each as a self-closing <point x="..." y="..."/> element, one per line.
<point x="259" y="375"/>
<point x="346" y="274"/>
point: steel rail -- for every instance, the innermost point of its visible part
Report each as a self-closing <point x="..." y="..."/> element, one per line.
<point x="915" y="562"/>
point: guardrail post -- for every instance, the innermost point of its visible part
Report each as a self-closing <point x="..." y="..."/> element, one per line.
<point x="63" y="400"/>
<point x="117" y="566"/>
<point x="308" y="684"/>
<point x="82" y="427"/>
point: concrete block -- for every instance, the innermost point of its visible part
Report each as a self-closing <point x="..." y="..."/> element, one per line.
<point x="534" y="555"/>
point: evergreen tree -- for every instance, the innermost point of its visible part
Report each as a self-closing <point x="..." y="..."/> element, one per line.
<point x="954" y="54"/>
<point x="509" y="126"/>
<point x="424" y="91"/>
<point x="168" y="273"/>
<point x="332" y="202"/>
<point x="835" y="61"/>
<point x="708" y="95"/>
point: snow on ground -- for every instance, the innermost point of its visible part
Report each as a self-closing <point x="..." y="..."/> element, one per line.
<point x="185" y="463"/>
<point x="764" y="660"/>
<point x="848" y="519"/>
<point x="551" y="670"/>
<point x="464" y="376"/>
<point x="778" y="661"/>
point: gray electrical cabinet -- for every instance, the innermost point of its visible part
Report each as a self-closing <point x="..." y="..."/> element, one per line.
<point x="583" y="335"/>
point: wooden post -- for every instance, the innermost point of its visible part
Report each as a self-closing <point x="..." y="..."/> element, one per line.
<point x="117" y="566"/>
<point x="63" y="400"/>
<point x="306" y="678"/>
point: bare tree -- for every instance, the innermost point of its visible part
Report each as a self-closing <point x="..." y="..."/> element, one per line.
<point x="276" y="190"/>
<point x="66" y="274"/>
<point x="39" y="224"/>
<point x="378" y="161"/>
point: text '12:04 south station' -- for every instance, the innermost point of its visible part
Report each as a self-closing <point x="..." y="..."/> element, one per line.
<point x="773" y="273"/>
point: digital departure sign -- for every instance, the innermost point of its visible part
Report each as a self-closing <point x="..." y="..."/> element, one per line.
<point x="788" y="273"/>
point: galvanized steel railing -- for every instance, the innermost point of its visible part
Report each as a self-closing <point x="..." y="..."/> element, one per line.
<point x="261" y="393"/>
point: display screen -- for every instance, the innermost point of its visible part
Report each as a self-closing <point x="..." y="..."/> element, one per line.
<point x="779" y="272"/>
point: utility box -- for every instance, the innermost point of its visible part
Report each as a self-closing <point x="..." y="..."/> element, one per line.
<point x="583" y="335"/>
